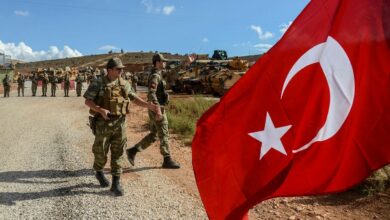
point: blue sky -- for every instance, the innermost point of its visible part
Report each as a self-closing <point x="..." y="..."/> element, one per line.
<point x="48" y="29"/>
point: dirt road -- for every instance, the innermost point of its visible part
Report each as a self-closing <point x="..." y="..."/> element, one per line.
<point x="45" y="173"/>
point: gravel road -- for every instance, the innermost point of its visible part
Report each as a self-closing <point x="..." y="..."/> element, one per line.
<point x="45" y="169"/>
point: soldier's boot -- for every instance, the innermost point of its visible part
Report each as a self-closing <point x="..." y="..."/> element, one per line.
<point x="116" y="187"/>
<point x="102" y="179"/>
<point x="170" y="164"/>
<point x="131" y="154"/>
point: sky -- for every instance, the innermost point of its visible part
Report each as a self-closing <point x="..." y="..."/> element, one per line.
<point x="34" y="30"/>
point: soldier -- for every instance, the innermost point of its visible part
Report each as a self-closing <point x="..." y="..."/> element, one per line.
<point x="108" y="98"/>
<point x="79" y="84"/>
<point x="66" y="84"/>
<point x="45" y="81"/>
<point x="134" y="81"/>
<point x="6" y="85"/>
<point x="21" y="81"/>
<point x="159" y="126"/>
<point x="53" y="81"/>
<point x="34" y="84"/>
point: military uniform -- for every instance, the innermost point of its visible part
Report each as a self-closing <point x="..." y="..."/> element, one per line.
<point x="21" y="81"/>
<point x="45" y="81"/>
<point x="115" y="97"/>
<point x="6" y="85"/>
<point x="157" y="128"/>
<point x="34" y="84"/>
<point x="158" y="125"/>
<point x="66" y="85"/>
<point x="79" y="84"/>
<point x="134" y="81"/>
<point x="53" y="82"/>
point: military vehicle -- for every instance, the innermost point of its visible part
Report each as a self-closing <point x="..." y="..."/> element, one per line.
<point x="209" y="76"/>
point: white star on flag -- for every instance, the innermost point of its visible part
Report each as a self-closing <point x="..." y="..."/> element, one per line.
<point x="270" y="137"/>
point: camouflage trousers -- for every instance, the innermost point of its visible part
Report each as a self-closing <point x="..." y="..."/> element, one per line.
<point x="34" y="89"/>
<point x="110" y="135"/>
<point x="78" y="89"/>
<point x="44" y="89"/>
<point x="53" y="89"/>
<point x="6" y="91"/>
<point x="157" y="129"/>
<point x="20" y="89"/>
<point x="66" y="90"/>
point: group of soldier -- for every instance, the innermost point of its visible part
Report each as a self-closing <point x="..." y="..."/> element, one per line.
<point x="53" y="80"/>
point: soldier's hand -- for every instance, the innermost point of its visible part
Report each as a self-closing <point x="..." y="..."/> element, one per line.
<point x="104" y="113"/>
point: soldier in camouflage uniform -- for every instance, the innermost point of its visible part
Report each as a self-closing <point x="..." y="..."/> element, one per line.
<point x="134" y="81"/>
<point x="21" y="81"/>
<point x="108" y="98"/>
<point x="6" y="85"/>
<point x="79" y="84"/>
<point x="53" y="81"/>
<point x="45" y="81"/>
<point x="158" y="126"/>
<point x="66" y="84"/>
<point x="34" y="84"/>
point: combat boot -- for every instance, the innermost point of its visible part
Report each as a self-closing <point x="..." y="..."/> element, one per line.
<point x="170" y="164"/>
<point x="116" y="187"/>
<point x="102" y="179"/>
<point x="131" y="154"/>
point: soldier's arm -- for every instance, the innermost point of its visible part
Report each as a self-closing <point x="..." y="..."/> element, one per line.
<point x="92" y="105"/>
<point x="152" y="89"/>
<point x="90" y="95"/>
<point x="140" y="102"/>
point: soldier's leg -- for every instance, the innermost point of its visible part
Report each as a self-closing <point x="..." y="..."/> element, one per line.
<point x="118" y="144"/>
<point x="23" y="91"/>
<point x="163" y="135"/>
<point x="149" y="138"/>
<point x="18" y="91"/>
<point x="101" y="146"/>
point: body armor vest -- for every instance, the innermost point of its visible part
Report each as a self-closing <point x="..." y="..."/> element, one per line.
<point x="114" y="97"/>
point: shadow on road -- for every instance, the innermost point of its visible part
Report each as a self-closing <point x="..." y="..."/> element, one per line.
<point x="45" y="177"/>
<point x="42" y="176"/>
<point x="133" y="170"/>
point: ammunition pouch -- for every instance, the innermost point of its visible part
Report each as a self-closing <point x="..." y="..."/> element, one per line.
<point x="163" y="99"/>
<point x="92" y="123"/>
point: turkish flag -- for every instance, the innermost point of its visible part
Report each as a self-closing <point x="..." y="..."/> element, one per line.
<point x="312" y="116"/>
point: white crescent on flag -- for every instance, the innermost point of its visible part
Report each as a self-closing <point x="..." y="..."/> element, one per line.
<point x="339" y="75"/>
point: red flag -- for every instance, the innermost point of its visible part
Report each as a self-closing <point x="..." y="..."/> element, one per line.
<point x="312" y="116"/>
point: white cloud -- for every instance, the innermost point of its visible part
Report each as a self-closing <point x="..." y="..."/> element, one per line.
<point x="262" y="47"/>
<point x="205" y="40"/>
<point x="284" y="27"/>
<point x="151" y="8"/>
<point x="260" y="34"/>
<point x="23" y="52"/>
<point x="167" y="10"/>
<point x="108" y="47"/>
<point x="21" y="13"/>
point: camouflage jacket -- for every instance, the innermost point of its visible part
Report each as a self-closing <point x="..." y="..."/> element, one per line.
<point x="96" y="89"/>
<point x="157" y="95"/>
<point x="6" y="82"/>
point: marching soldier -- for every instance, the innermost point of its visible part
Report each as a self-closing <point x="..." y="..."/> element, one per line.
<point x="53" y="82"/>
<point x="45" y="81"/>
<point x="34" y="84"/>
<point x="66" y="84"/>
<point x="79" y="84"/>
<point x="21" y="81"/>
<point x="134" y="81"/>
<point x="6" y="85"/>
